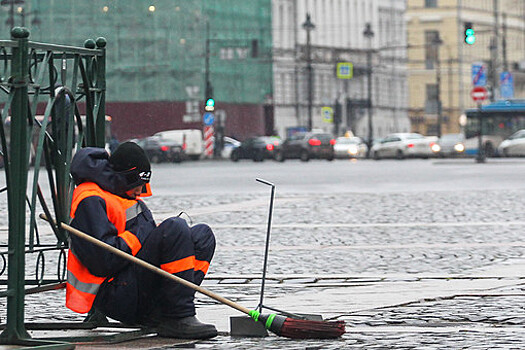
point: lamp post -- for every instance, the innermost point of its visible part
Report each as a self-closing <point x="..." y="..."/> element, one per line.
<point x="369" y="34"/>
<point x="208" y="93"/>
<point x="437" y="42"/>
<point x="309" y="26"/>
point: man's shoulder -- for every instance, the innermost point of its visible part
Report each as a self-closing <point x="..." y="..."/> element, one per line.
<point x="88" y="189"/>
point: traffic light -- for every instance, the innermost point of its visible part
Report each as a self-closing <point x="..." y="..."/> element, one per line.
<point x="210" y="105"/>
<point x="470" y="35"/>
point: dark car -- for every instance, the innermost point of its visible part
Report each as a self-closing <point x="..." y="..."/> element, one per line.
<point x="306" y="146"/>
<point x="256" y="148"/>
<point x="160" y="150"/>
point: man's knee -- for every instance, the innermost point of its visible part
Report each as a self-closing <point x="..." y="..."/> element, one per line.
<point x="203" y="238"/>
<point x="175" y="226"/>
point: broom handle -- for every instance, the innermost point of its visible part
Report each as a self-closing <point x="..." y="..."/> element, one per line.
<point x="150" y="267"/>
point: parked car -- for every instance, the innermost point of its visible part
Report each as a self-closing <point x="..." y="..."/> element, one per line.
<point x="305" y="146"/>
<point x="190" y="139"/>
<point x="229" y="145"/>
<point x="514" y="146"/>
<point x="160" y="150"/>
<point x="451" y="145"/>
<point x="404" y="145"/>
<point x="350" y="147"/>
<point x="256" y="148"/>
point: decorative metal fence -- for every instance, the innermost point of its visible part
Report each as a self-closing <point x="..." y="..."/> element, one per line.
<point x="61" y="81"/>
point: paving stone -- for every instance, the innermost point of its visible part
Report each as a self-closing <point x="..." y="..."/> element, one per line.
<point x="387" y="250"/>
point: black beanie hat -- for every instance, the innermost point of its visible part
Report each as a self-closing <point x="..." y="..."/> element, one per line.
<point x="130" y="158"/>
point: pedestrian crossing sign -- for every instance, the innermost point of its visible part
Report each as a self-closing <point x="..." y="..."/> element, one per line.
<point x="345" y="70"/>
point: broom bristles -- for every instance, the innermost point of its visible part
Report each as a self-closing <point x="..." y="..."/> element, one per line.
<point x="308" y="329"/>
<point x="299" y="329"/>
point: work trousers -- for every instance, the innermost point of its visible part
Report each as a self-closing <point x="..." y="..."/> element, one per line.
<point x="135" y="295"/>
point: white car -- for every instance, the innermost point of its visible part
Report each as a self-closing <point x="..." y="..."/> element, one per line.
<point x="514" y="145"/>
<point x="191" y="139"/>
<point x="405" y="145"/>
<point x="350" y="147"/>
<point x="229" y="145"/>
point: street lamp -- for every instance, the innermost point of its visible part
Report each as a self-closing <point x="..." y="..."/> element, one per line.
<point x="369" y="34"/>
<point x="309" y="26"/>
<point x="437" y="42"/>
<point x="23" y="14"/>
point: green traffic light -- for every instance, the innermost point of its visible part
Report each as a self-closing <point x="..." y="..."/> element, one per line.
<point x="470" y="37"/>
<point x="210" y="105"/>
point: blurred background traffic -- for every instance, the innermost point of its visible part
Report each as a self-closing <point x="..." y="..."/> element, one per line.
<point x="374" y="75"/>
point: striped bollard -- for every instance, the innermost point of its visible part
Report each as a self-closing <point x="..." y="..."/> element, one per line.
<point x="208" y="141"/>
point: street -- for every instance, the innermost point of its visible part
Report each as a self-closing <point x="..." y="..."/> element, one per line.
<point x="410" y="254"/>
<point x="319" y="176"/>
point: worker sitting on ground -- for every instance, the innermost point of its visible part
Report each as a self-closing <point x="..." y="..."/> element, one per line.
<point x="106" y="205"/>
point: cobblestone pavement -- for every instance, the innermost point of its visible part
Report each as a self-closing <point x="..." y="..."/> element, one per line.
<point x="410" y="270"/>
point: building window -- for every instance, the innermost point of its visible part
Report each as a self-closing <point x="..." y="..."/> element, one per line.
<point x="430" y="49"/>
<point x="431" y="3"/>
<point x="431" y="102"/>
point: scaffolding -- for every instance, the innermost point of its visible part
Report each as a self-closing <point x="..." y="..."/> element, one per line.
<point x="158" y="48"/>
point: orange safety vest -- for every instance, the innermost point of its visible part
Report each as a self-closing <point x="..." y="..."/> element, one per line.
<point x="82" y="286"/>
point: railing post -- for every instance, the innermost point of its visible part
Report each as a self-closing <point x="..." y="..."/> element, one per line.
<point x="100" y="126"/>
<point x="17" y="184"/>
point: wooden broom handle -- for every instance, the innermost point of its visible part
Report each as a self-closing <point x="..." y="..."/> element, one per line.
<point x="149" y="266"/>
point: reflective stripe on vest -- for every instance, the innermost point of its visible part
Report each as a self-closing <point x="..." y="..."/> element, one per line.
<point x="90" y="288"/>
<point x="133" y="211"/>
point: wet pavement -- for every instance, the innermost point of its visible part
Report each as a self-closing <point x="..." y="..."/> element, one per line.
<point x="432" y="266"/>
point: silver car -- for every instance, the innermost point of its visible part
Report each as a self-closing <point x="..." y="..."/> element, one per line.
<point x="514" y="145"/>
<point x="451" y="145"/>
<point x="350" y="147"/>
<point x="404" y="145"/>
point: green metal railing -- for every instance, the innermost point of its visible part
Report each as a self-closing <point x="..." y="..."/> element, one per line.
<point x="60" y="80"/>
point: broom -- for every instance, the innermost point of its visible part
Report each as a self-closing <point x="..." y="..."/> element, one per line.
<point x="280" y="325"/>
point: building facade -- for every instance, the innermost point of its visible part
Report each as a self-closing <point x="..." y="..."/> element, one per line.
<point x="440" y="71"/>
<point x="159" y="54"/>
<point x="338" y="37"/>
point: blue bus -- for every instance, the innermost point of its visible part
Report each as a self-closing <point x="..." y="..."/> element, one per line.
<point x="497" y="121"/>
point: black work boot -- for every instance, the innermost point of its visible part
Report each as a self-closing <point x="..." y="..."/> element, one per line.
<point x="186" y="328"/>
<point x="96" y="318"/>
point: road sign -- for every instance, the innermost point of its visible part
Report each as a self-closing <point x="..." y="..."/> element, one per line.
<point x="328" y="114"/>
<point x="479" y="94"/>
<point x="345" y="70"/>
<point x="479" y="74"/>
<point x="208" y="118"/>
<point x="506" y="85"/>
